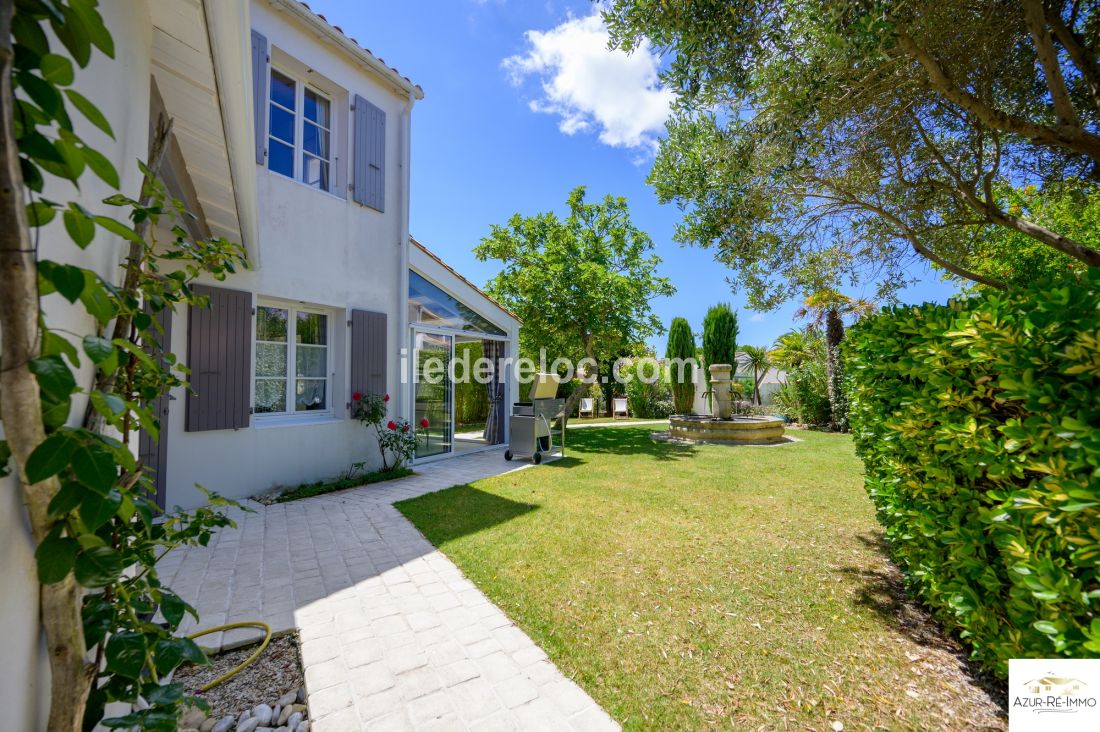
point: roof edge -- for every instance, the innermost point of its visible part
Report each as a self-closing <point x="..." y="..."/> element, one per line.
<point x="413" y="240"/>
<point x="319" y="23"/>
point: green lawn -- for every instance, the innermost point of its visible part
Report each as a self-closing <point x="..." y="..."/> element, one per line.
<point x="720" y="587"/>
<point x="573" y="421"/>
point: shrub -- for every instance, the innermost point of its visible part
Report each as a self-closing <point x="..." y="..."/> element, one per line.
<point x="720" y="337"/>
<point x="978" y="423"/>
<point x="681" y="345"/>
<point x="805" y="395"/>
<point x="652" y="400"/>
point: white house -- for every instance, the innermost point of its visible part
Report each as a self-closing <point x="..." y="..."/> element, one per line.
<point x="294" y="140"/>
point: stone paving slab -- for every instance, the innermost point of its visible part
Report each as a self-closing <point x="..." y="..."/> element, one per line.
<point x="393" y="635"/>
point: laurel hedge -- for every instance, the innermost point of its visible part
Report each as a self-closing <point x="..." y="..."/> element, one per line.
<point x="978" y="424"/>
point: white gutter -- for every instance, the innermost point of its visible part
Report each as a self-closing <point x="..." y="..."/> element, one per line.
<point x="228" y="26"/>
<point x="327" y="31"/>
<point x="403" y="336"/>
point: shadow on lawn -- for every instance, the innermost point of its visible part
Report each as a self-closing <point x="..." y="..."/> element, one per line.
<point x="634" y="441"/>
<point x="883" y="590"/>
<point x="460" y="511"/>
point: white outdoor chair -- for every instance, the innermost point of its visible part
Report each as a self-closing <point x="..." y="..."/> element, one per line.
<point x="619" y="408"/>
<point x="588" y="407"/>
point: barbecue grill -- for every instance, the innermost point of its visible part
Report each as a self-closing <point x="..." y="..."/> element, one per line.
<point x="531" y="434"/>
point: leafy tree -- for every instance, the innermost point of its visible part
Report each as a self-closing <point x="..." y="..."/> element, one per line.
<point x="821" y="143"/>
<point x="758" y="359"/>
<point x="826" y="311"/>
<point x="582" y="285"/>
<point x="720" y="337"/>
<point x="796" y="347"/>
<point x="681" y="345"/>
<point x="90" y="504"/>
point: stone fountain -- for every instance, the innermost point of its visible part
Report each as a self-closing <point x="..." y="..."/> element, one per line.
<point x="724" y="426"/>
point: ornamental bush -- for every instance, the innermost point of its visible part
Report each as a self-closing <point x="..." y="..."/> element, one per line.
<point x="978" y="423"/>
<point x="681" y="345"/>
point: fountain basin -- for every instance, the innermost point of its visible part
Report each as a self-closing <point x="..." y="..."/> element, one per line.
<point x="754" y="430"/>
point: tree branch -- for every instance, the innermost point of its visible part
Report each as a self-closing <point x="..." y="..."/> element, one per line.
<point x="21" y="410"/>
<point x="1048" y="59"/>
<point x="1082" y="57"/>
<point x="1065" y="137"/>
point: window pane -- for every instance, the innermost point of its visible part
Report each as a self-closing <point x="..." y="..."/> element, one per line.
<point x="312" y="329"/>
<point x="282" y="124"/>
<point x="270" y="359"/>
<point x="270" y="324"/>
<point x="280" y="158"/>
<point x="432" y="306"/>
<point x="309" y="395"/>
<point x="270" y="395"/>
<point x="282" y="89"/>
<point x="315" y="172"/>
<point x="311" y="360"/>
<point x="315" y="140"/>
<point x="316" y="108"/>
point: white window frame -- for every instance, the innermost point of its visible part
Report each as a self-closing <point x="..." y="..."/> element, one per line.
<point x="300" y="122"/>
<point x="291" y="361"/>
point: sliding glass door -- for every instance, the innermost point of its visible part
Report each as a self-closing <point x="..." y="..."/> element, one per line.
<point x="432" y="388"/>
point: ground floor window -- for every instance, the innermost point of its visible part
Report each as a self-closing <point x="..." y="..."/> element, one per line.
<point x="292" y="360"/>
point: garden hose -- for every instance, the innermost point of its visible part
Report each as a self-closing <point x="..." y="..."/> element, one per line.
<point x="244" y="624"/>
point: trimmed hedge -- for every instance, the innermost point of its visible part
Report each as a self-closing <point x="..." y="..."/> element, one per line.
<point x="978" y="423"/>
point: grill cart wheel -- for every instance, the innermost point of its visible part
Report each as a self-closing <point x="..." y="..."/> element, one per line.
<point x="507" y="454"/>
<point x="537" y="458"/>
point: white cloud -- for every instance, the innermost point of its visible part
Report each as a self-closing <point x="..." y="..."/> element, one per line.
<point x="758" y="317"/>
<point x="592" y="87"/>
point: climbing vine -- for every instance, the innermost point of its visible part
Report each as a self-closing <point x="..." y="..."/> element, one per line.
<point x="110" y="624"/>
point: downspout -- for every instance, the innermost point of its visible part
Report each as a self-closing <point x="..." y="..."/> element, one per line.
<point x="405" y="405"/>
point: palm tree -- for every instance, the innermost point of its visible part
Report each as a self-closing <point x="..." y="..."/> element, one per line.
<point x="757" y="358"/>
<point x="828" y="308"/>
<point x="796" y="347"/>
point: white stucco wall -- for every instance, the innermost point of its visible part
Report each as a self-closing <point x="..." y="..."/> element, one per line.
<point x="120" y="88"/>
<point x="318" y="249"/>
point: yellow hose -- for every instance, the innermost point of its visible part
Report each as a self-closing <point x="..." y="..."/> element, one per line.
<point x="245" y="624"/>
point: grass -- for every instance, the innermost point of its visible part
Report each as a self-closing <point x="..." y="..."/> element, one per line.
<point x="709" y="587"/>
<point x="573" y="421"/>
<point x="307" y="490"/>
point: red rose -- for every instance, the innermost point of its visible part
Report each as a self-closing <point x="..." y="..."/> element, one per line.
<point x="405" y="427"/>
<point x="392" y="425"/>
<point x="357" y="396"/>
<point x="385" y="397"/>
<point x="424" y="423"/>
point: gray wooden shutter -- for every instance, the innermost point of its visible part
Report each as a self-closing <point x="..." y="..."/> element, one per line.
<point x="259" y="93"/>
<point x="369" y="182"/>
<point x="154" y="453"/>
<point x="368" y="352"/>
<point x="219" y="353"/>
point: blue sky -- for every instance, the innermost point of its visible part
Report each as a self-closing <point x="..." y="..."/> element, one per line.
<point x="521" y="105"/>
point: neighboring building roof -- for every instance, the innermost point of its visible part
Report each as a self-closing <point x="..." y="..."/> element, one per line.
<point x="349" y="44"/>
<point x="453" y="271"/>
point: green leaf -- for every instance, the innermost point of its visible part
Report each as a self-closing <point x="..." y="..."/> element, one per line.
<point x="55" y="344"/>
<point x="96" y="300"/>
<point x="73" y="36"/>
<point x="65" y="278"/>
<point x="54" y="377"/>
<point x="101" y="166"/>
<point x="172" y="608"/>
<point x="51" y="457"/>
<point x="81" y="228"/>
<point x="67" y="499"/>
<point x="95" y="467"/>
<point x="41" y="92"/>
<point x="55" y="557"/>
<point x="98" y="349"/>
<point x="98" y="566"/>
<point x="165" y="694"/>
<point x="109" y="405"/>
<point x="96" y="510"/>
<point x="119" y="228"/>
<point x="90" y="111"/>
<point x="39" y="213"/>
<point x="56" y="69"/>
<point x="125" y="654"/>
<point x="1045" y="626"/>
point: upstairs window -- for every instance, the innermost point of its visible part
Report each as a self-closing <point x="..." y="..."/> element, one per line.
<point x="299" y="132"/>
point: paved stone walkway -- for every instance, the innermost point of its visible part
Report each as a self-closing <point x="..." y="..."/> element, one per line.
<point x="393" y="635"/>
